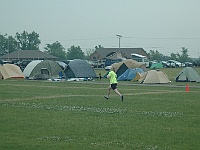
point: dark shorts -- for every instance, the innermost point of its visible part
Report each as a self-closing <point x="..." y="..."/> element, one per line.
<point x="114" y="86"/>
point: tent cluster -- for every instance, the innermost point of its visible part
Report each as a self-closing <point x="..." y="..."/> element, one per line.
<point x="127" y="70"/>
<point x="47" y="69"/>
<point x="130" y="70"/>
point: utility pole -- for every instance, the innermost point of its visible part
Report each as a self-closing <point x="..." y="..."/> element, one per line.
<point x="8" y="51"/>
<point x="119" y="36"/>
<point x="18" y="51"/>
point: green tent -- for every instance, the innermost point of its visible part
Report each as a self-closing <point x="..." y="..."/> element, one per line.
<point x="157" y="65"/>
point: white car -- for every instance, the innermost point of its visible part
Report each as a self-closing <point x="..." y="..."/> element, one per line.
<point x="174" y="63"/>
<point x="108" y="68"/>
<point x="165" y="64"/>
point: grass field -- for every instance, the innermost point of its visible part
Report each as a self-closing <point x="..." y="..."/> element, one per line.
<point x="46" y="115"/>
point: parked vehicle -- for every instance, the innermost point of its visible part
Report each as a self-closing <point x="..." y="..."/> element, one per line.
<point x="108" y="68"/>
<point x="109" y="62"/>
<point x="188" y="64"/>
<point x="140" y="58"/>
<point x="165" y="64"/>
<point x="174" y="63"/>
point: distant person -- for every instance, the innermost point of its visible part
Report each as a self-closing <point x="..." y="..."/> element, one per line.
<point x="100" y="77"/>
<point x="1" y="62"/>
<point x="60" y="74"/>
<point x="112" y="76"/>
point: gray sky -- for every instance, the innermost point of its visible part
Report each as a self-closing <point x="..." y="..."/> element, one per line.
<point x="163" y="25"/>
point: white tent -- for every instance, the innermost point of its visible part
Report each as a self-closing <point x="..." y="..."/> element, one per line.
<point x="29" y="68"/>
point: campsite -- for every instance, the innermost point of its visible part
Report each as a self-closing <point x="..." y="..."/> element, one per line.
<point x="41" y="114"/>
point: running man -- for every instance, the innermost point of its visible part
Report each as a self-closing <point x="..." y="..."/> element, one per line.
<point x="112" y="76"/>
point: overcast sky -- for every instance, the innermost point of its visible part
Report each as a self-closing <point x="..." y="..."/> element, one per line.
<point x="163" y="25"/>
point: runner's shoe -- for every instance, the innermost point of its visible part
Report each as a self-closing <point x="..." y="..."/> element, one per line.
<point x="105" y="97"/>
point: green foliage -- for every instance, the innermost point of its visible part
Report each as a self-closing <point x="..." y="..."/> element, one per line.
<point x="56" y="49"/>
<point x="99" y="46"/>
<point x="184" y="57"/>
<point x="28" y="41"/>
<point x="7" y="44"/>
<point x="173" y="56"/>
<point x="88" y="53"/>
<point x="75" y="53"/>
<point x="155" y="55"/>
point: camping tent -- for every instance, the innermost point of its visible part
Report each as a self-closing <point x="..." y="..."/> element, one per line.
<point x="79" y="69"/>
<point x="62" y="64"/>
<point x="45" y="69"/>
<point x="121" y="67"/>
<point x="10" y="71"/>
<point x="129" y="74"/>
<point x="188" y="74"/>
<point x="29" y="68"/>
<point x="154" y="76"/>
<point x="156" y="65"/>
<point x="137" y="77"/>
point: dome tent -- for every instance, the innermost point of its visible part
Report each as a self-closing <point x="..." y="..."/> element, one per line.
<point x="154" y="76"/>
<point x="129" y="74"/>
<point x="156" y="66"/>
<point x="188" y="74"/>
<point x="79" y="69"/>
<point x="28" y="69"/>
<point x="121" y="67"/>
<point x="46" y="69"/>
<point x="10" y="71"/>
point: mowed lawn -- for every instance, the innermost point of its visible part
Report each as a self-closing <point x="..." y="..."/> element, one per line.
<point x="48" y="115"/>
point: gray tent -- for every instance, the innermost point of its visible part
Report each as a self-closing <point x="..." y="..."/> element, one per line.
<point x="188" y="74"/>
<point x="46" y="69"/>
<point x="79" y="69"/>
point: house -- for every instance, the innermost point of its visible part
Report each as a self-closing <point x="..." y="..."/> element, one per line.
<point x="107" y="53"/>
<point x="21" y="55"/>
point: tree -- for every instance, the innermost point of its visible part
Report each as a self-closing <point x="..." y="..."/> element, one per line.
<point x="28" y="41"/>
<point x="88" y="53"/>
<point x="56" y="49"/>
<point x="7" y="44"/>
<point x="155" y="55"/>
<point x="184" y="57"/>
<point x="75" y="53"/>
<point x="173" y="56"/>
<point x="97" y="47"/>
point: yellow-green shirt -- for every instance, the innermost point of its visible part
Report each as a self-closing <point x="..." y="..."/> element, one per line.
<point x="113" y="77"/>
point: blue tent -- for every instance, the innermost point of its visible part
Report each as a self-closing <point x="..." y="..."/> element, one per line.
<point x="129" y="74"/>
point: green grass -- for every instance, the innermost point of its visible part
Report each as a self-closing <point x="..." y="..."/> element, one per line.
<point x="74" y="115"/>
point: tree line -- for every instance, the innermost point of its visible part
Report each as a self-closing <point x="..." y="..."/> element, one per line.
<point x="181" y="57"/>
<point x="31" y="41"/>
